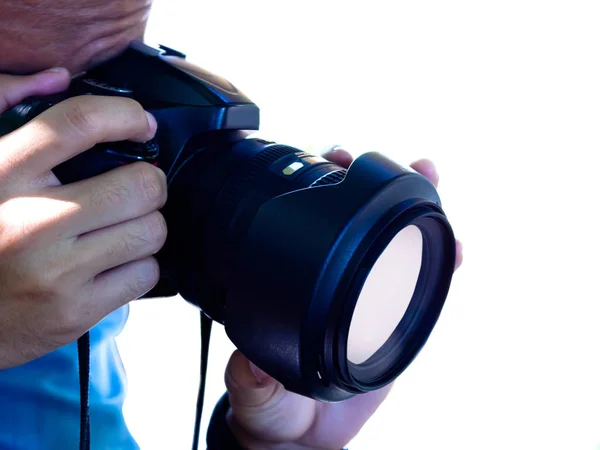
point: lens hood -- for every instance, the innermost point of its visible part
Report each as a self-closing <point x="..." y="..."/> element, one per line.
<point x="298" y="274"/>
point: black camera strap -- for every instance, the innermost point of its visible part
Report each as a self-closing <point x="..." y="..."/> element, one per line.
<point x="205" y="329"/>
<point x="83" y="353"/>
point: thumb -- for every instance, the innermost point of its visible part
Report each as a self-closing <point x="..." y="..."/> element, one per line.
<point x="261" y="408"/>
<point x="14" y="89"/>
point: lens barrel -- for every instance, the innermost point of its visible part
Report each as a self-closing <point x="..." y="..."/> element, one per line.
<point x="282" y="250"/>
<point x="272" y="242"/>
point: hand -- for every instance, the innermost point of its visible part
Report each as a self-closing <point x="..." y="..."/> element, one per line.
<point x="70" y="255"/>
<point x="264" y="415"/>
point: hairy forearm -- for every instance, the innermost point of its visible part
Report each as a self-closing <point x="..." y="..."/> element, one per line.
<point x="76" y="34"/>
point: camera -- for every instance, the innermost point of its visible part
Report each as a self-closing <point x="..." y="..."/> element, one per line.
<point x="329" y="279"/>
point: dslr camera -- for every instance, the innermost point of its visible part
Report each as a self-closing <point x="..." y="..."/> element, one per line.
<point x="329" y="279"/>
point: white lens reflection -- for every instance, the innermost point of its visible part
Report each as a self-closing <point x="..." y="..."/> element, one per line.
<point x="386" y="294"/>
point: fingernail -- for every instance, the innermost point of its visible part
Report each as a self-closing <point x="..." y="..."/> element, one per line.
<point x="55" y="70"/>
<point x="432" y="170"/>
<point x="428" y="169"/>
<point x="260" y="375"/>
<point x="334" y="149"/>
<point x="152" y="122"/>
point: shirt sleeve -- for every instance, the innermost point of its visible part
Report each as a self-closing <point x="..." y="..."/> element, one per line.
<point x="39" y="400"/>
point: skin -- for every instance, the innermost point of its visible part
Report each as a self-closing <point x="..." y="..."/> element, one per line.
<point x="69" y="255"/>
<point x="76" y="34"/>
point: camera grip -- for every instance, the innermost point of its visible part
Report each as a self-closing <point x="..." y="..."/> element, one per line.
<point x="105" y="157"/>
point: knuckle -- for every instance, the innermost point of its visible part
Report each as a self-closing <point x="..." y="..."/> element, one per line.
<point x="146" y="277"/>
<point x="44" y="283"/>
<point x="81" y="116"/>
<point x="156" y="226"/>
<point x="151" y="275"/>
<point x="122" y="247"/>
<point x="151" y="185"/>
<point x="40" y="286"/>
<point x="132" y="290"/>
<point x="145" y="236"/>
<point x="113" y="192"/>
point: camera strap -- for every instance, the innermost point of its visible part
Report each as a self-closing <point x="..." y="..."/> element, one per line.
<point x="205" y="329"/>
<point x="83" y="353"/>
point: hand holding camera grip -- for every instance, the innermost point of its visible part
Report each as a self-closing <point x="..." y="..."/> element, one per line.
<point x="105" y="157"/>
<point x="96" y="161"/>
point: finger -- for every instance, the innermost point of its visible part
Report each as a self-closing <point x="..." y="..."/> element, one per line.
<point x="426" y="168"/>
<point x="73" y="126"/>
<point x="340" y="422"/>
<point x="262" y="407"/>
<point x="114" y="246"/>
<point x="339" y="156"/>
<point x="117" y="287"/>
<point x="116" y="196"/>
<point x="15" y="89"/>
<point x="248" y="386"/>
<point x="342" y="157"/>
<point x="459" y="255"/>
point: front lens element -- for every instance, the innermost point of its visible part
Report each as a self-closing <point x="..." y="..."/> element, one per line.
<point x="386" y="295"/>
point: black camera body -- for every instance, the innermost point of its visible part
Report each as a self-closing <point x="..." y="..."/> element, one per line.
<point x="271" y="241"/>
<point x="198" y="113"/>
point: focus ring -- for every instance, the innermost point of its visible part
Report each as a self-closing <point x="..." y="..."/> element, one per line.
<point x="238" y="186"/>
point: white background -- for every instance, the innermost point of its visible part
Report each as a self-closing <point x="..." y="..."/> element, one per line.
<point x="505" y="98"/>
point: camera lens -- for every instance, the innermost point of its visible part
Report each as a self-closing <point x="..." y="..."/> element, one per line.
<point x="386" y="294"/>
<point x="391" y="325"/>
<point x="330" y="280"/>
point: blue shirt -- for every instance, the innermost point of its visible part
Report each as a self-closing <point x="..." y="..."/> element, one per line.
<point x="39" y="401"/>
